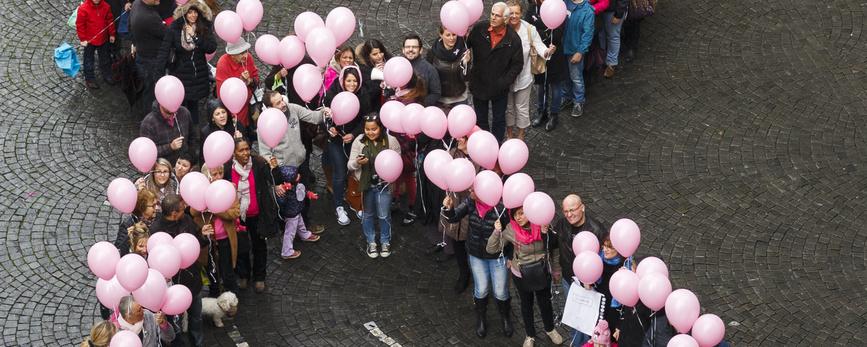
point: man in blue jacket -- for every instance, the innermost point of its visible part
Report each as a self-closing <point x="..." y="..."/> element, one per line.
<point x="576" y="42"/>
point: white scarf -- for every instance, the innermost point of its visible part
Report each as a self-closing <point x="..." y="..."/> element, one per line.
<point x="136" y="328"/>
<point x="243" y="185"/>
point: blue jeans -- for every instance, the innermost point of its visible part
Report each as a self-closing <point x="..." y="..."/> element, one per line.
<point x="104" y="61"/>
<point x="336" y="157"/>
<point x="609" y="38"/>
<point x="498" y="119"/>
<point x="488" y="271"/>
<point x="576" y="76"/>
<point x="578" y="338"/>
<point x="377" y="201"/>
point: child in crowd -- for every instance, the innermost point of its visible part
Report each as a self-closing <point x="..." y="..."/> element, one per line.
<point x="291" y="202"/>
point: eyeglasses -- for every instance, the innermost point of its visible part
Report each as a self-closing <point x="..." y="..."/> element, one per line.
<point x="411" y="47"/>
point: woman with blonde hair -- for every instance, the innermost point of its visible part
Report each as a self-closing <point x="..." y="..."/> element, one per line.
<point x="100" y="335"/>
<point x="161" y="181"/>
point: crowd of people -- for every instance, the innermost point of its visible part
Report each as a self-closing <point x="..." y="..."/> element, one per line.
<point x="492" y="68"/>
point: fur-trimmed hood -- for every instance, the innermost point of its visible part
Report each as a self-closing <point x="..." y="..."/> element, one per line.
<point x="200" y="5"/>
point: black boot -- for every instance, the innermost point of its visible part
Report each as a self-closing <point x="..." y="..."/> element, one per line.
<point x="481" y="319"/>
<point x="539" y="119"/>
<point x="462" y="283"/>
<point x="505" y="309"/>
<point x="552" y="122"/>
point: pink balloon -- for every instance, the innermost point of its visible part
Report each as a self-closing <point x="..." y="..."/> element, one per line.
<point x="682" y="340"/>
<point x="434" y="123"/>
<point x="455" y="18"/>
<point x="652" y="264"/>
<point x="682" y="309"/>
<point x="624" y="287"/>
<point x="516" y="188"/>
<point x="553" y="13"/>
<point x="125" y="338"/>
<point x="220" y="196"/>
<point x="132" y="271"/>
<point x="102" y="259"/>
<point x="436" y="165"/>
<point x="160" y="238"/>
<point x="177" y="300"/>
<point x="233" y="94"/>
<point x="166" y="259"/>
<point x="122" y="195"/>
<point x="109" y="292"/>
<point x="483" y="149"/>
<point x="143" y="154"/>
<point x="272" y="126"/>
<point x="307" y="81"/>
<point x="513" y="156"/>
<point x="228" y="26"/>
<point x="411" y="119"/>
<point x="539" y="208"/>
<point x="188" y="246"/>
<point x="474" y="9"/>
<point x="344" y="107"/>
<point x="462" y="119"/>
<point x="488" y="187"/>
<point x="169" y="92"/>
<point x="653" y="289"/>
<point x="585" y="241"/>
<point x="388" y="165"/>
<point x="625" y="237"/>
<point x="209" y="56"/>
<point x="321" y="45"/>
<point x="397" y="72"/>
<point x="218" y="148"/>
<point x="341" y="22"/>
<point x="180" y="2"/>
<point x="708" y="330"/>
<point x="267" y="47"/>
<point x="305" y="23"/>
<point x="587" y="266"/>
<point x="460" y="175"/>
<point x="151" y="294"/>
<point x="250" y="12"/>
<point x="192" y="189"/>
<point x="390" y="113"/>
<point x="290" y="51"/>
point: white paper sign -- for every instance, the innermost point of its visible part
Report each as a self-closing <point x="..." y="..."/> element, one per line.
<point x="583" y="308"/>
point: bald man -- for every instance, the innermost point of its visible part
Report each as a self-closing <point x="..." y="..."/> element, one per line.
<point x="574" y="220"/>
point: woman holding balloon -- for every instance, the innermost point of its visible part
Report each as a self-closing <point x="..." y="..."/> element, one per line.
<point x="371" y="57"/>
<point x="226" y="236"/>
<point x="238" y="63"/>
<point x="489" y="270"/>
<point x="188" y="39"/>
<point x="161" y="182"/>
<point x="530" y="270"/>
<point x="341" y="135"/>
<point x="144" y="212"/>
<point x="373" y="176"/>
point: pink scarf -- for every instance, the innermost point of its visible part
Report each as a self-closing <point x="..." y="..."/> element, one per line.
<point x="482" y="208"/>
<point x="526" y="237"/>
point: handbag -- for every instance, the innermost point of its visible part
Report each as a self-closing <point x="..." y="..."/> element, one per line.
<point x="537" y="64"/>
<point x="641" y="8"/>
<point x="534" y="276"/>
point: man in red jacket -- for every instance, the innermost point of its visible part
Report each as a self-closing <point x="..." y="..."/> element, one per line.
<point x="95" y="25"/>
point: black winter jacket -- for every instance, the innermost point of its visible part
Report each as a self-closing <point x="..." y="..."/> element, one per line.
<point x="494" y="69"/>
<point x="452" y="78"/>
<point x="558" y="68"/>
<point x="566" y="232"/>
<point x="189" y="276"/>
<point x="191" y="67"/>
<point x="268" y="218"/>
<point x="155" y="127"/>
<point x="480" y="228"/>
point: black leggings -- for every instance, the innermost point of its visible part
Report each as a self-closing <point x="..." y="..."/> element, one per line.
<point x="543" y="296"/>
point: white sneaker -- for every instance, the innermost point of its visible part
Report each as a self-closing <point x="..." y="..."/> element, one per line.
<point x="342" y="218"/>
<point x="371" y="250"/>
<point x="385" y="251"/>
<point x="360" y="214"/>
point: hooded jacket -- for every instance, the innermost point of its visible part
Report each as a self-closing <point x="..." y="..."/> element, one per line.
<point x="94" y="23"/>
<point x="191" y="67"/>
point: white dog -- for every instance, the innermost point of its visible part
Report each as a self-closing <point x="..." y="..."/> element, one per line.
<point x="224" y="305"/>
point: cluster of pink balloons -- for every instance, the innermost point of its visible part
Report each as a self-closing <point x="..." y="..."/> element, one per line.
<point x="202" y="195"/>
<point x="229" y="24"/>
<point x="318" y="38"/>
<point x="145" y="279"/>
<point x="649" y="284"/>
<point x="457" y="15"/>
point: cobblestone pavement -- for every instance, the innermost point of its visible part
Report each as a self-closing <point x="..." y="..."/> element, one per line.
<point x="736" y="140"/>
